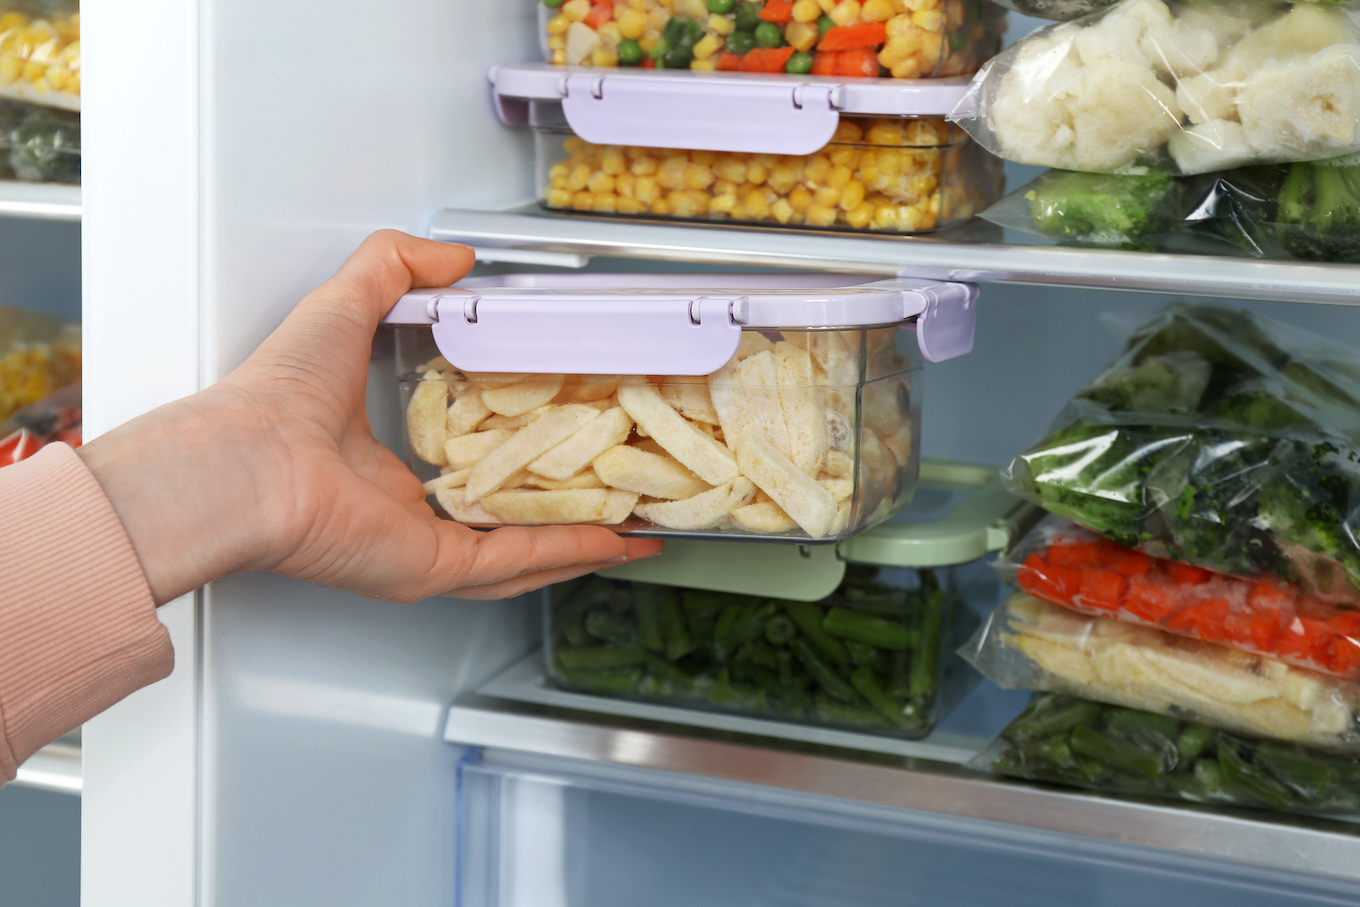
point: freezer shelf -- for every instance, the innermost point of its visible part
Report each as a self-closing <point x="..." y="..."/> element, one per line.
<point x="971" y="253"/>
<point x="544" y="832"/>
<point x="39" y="201"/>
<point x="515" y="713"/>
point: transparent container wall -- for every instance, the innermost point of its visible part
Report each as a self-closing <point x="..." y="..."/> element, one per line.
<point x="40" y="52"/>
<point x="835" y="417"/>
<point x="902" y="39"/>
<point x="539" y="836"/>
<point x="877" y="655"/>
<point x="886" y="175"/>
<point x="39" y="144"/>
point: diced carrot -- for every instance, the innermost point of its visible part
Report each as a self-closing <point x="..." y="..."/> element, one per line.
<point x="1152" y="601"/>
<point x="1271" y="596"/>
<point x="857" y="63"/>
<point x="853" y="37"/>
<point x="1075" y="554"/>
<point x="779" y="12"/>
<point x="1101" y="589"/>
<point x="825" y="63"/>
<point x="1308" y="640"/>
<point x="1251" y="632"/>
<point x="776" y="58"/>
<point x="599" y="14"/>
<point x="1034" y="577"/>
<point x="1127" y="562"/>
<point x="1346" y="657"/>
<point x="730" y="62"/>
<point x="1185" y="574"/>
<point x="1209" y="619"/>
<point x="753" y="60"/>
<point x="648" y="63"/>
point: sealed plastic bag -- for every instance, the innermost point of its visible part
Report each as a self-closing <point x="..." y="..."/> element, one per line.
<point x="1219" y="439"/>
<point x="1067" y="10"/>
<point x="1100" y="747"/>
<point x="38" y="355"/>
<point x="1064" y="564"/>
<point x="54" y="418"/>
<point x="1306" y="210"/>
<point x="1028" y="644"/>
<point x="1188" y="86"/>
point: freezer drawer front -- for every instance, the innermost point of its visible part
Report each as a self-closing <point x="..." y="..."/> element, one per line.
<point x="537" y="832"/>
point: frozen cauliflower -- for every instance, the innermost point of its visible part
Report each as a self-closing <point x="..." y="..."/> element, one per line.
<point x="1208" y="83"/>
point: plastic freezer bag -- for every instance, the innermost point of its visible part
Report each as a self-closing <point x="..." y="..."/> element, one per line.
<point x="1066" y="10"/>
<point x="38" y="355"/>
<point x="1029" y="644"/>
<point x="1219" y="439"/>
<point x="876" y="655"/>
<point x="1066" y="565"/>
<point x="55" y="418"/>
<point x="1108" y="748"/>
<point x="1190" y="87"/>
<point x="1305" y="210"/>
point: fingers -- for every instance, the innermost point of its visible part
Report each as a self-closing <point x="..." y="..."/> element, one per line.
<point x="523" y="584"/>
<point x="389" y="263"/>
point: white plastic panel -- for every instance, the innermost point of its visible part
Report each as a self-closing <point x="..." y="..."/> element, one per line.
<point x="539" y="832"/>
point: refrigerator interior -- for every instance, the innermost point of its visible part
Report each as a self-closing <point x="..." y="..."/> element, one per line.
<point x="297" y="753"/>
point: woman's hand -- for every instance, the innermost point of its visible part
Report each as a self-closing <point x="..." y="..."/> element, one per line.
<point x="275" y="468"/>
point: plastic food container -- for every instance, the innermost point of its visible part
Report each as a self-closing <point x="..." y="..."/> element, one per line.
<point x="751" y="149"/>
<point x="40" y="52"/>
<point x="39" y="143"/>
<point x="772" y="406"/>
<point x="38" y="355"/>
<point x="888" y="38"/>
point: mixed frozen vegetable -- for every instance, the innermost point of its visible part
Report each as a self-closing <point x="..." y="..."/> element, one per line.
<point x="1188" y="85"/>
<point x="905" y="39"/>
<point x="869" y="657"/>
<point x="1065" y="10"/>
<point x="1029" y="644"/>
<point x="782" y="441"/>
<point x="1066" y="565"/>
<point x="40" y="54"/>
<point x="1221" y="440"/>
<point x="901" y="176"/>
<point x="40" y="143"/>
<point x="58" y="417"/>
<point x="1108" y="748"/>
<point x="38" y="355"/>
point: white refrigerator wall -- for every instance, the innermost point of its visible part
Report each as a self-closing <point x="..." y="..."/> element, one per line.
<point x="237" y="152"/>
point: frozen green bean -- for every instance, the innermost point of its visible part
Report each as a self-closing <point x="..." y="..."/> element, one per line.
<point x="866" y="628"/>
<point x="808" y="618"/>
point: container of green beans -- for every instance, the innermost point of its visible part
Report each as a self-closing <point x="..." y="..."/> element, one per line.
<point x="876" y="656"/>
<point x="1075" y="742"/>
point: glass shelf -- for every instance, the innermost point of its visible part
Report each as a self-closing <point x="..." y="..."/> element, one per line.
<point x="39" y="201"/>
<point x="975" y="252"/>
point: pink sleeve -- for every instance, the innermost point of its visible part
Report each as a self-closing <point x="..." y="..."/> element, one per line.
<point x="78" y="627"/>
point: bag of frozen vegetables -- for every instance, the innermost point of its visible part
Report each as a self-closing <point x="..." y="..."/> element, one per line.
<point x="889" y="38"/>
<point x="1307" y="210"/>
<point x="1219" y="439"/>
<point x="876" y="655"/>
<point x="1029" y="644"/>
<point x="1066" y="565"/>
<point x="1063" y="740"/>
<point x="1184" y="86"/>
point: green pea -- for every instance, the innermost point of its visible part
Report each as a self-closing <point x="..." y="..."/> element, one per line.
<point x="630" y="53"/>
<point x="825" y="25"/>
<point x="799" y="64"/>
<point x="720" y="6"/>
<point x="740" y="43"/>
<point x="769" y="35"/>
<point x="748" y="16"/>
<point x="659" y="49"/>
<point x="552" y="4"/>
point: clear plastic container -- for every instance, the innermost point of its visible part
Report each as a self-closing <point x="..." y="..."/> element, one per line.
<point x="38" y="143"/>
<point x="891" y="175"/>
<point x="766" y="406"/>
<point x="40" y="52"/>
<point x="751" y="149"/>
<point x="887" y="38"/>
<point x="877" y="655"/>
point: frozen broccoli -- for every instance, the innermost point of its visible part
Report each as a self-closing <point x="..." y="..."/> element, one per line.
<point x="1104" y="208"/>
<point x="46" y="146"/>
<point x="1319" y="211"/>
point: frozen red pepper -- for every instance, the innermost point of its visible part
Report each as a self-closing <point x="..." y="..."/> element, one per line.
<point x="1101" y="589"/>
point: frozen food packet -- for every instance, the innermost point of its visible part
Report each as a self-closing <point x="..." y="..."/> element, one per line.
<point x="38" y="355"/>
<point x="1190" y="86"/>
<point x="1029" y="644"/>
<point x="1069" y="566"/>
<point x="1075" y="742"/>
<point x="1220" y="439"/>
<point x="54" y="418"/>
<point x="1308" y="210"/>
<point x="1067" y="10"/>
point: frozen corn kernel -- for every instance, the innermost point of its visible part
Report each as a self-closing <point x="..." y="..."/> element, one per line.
<point x="721" y="25"/>
<point x="806" y="11"/>
<point x="632" y="24"/>
<point x="929" y="19"/>
<point x="709" y="65"/>
<point x="576" y="10"/>
<point x="883" y="174"/>
<point x="558" y="24"/>
<point x="876" y="11"/>
<point x="707" y="46"/>
<point x="610" y="34"/>
<point x="604" y="56"/>
<point x="559" y="57"/>
<point x="802" y="35"/>
<point x="845" y="13"/>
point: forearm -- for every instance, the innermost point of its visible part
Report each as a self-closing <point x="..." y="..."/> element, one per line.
<point x="78" y="629"/>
